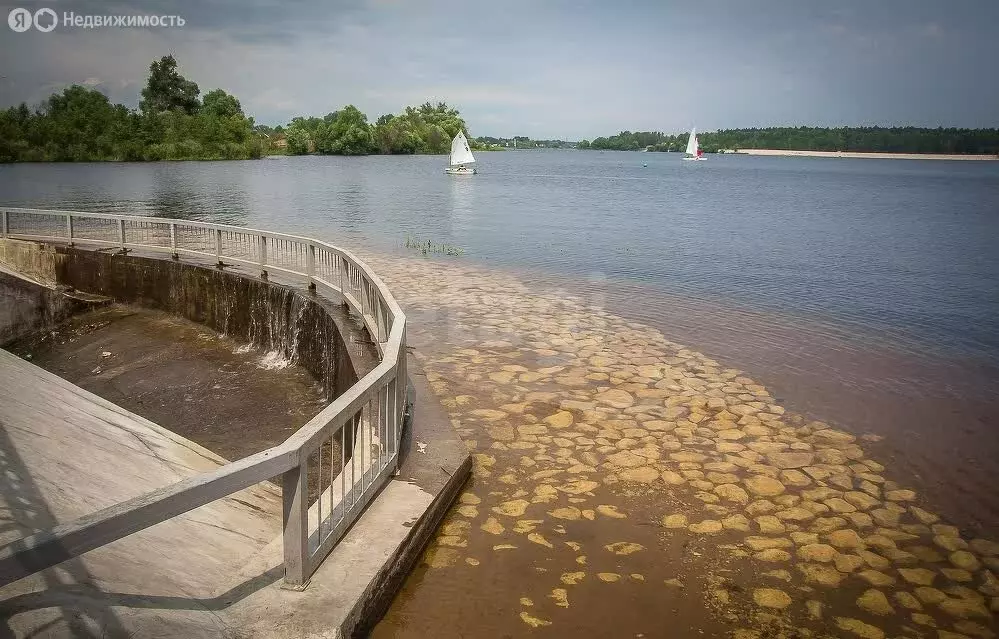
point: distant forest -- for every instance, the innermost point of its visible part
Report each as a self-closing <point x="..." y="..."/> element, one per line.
<point x="173" y="122"/>
<point x="871" y="139"/>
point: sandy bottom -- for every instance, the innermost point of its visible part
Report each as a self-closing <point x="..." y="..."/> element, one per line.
<point x="628" y="486"/>
<point x="934" y="415"/>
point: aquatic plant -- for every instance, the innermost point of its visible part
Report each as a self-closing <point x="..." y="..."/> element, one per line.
<point x="429" y="247"/>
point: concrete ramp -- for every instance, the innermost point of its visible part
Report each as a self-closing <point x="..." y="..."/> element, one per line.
<point x="65" y="453"/>
<point x="213" y="572"/>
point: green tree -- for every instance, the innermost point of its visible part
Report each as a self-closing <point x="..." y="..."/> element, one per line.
<point x="299" y="140"/>
<point x="168" y="90"/>
<point x="344" y="132"/>
<point x="395" y="136"/>
<point x="428" y="128"/>
<point x="220" y="104"/>
<point x="80" y="124"/>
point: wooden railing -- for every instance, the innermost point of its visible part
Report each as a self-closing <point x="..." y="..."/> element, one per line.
<point x="351" y="447"/>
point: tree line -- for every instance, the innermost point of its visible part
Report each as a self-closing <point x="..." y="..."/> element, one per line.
<point x="524" y="142"/>
<point x="628" y="141"/>
<point x="428" y="128"/>
<point x="857" y="139"/>
<point x="172" y="123"/>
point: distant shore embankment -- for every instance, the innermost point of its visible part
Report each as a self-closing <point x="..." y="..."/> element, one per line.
<point x="857" y="154"/>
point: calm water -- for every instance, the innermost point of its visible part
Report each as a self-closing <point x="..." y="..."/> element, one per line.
<point x="900" y="249"/>
<point x="862" y="292"/>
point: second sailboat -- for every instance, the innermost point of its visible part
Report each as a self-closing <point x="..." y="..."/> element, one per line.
<point x="693" y="151"/>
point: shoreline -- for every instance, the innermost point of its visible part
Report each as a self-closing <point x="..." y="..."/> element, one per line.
<point x="864" y="154"/>
<point x="720" y="503"/>
<point x="824" y="370"/>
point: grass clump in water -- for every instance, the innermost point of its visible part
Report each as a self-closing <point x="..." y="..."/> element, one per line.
<point x="429" y="247"/>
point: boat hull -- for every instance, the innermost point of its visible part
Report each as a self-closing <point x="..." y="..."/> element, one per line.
<point x="460" y="170"/>
<point x="694" y="159"/>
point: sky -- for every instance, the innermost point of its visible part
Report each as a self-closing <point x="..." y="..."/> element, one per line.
<point x="543" y="68"/>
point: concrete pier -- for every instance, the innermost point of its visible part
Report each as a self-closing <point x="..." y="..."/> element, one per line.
<point x="218" y="570"/>
<point x="215" y="571"/>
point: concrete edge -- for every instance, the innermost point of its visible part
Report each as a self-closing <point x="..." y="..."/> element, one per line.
<point x="356" y="585"/>
<point x="387" y="583"/>
<point x="428" y="423"/>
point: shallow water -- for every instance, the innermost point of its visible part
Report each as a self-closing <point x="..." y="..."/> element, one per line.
<point x="552" y="487"/>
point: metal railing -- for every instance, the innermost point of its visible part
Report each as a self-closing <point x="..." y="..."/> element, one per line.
<point x="358" y="433"/>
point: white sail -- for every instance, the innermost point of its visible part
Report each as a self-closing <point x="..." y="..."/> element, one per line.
<point x="692" y="142"/>
<point x="460" y="153"/>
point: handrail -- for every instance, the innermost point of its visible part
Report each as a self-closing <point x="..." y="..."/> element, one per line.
<point x="366" y="420"/>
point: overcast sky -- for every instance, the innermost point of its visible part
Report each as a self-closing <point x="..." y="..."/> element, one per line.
<point x="545" y="68"/>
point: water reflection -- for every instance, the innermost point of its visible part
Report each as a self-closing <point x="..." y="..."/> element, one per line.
<point x="199" y="191"/>
<point x="462" y="191"/>
<point x="352" y="203"/>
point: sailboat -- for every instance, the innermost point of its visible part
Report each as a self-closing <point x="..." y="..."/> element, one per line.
<point x="460" y="156"/>
<point x="693" y="151"/>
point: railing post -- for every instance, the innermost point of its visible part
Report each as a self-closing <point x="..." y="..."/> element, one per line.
<point x="311" y="269"/>
<point x="263" y="257"/>
<point x="121" y="235"/>
<point x="402" y="390"/>
<point x="5" y="223"/>
<point x="296" y="525"/>
<point x="218" y="247"/>
<point x="365" y="302"/>
<point x="341" y="267"/>
<point x="380" y="327"/>
<point x="69" y="228"/>
<point x="173" y="241"/>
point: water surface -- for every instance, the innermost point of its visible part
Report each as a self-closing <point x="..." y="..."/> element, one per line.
<point x="864" y="292"/>
<point x="903" y="248"/>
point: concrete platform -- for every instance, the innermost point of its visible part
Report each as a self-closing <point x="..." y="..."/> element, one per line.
<point x="215" y="571"/>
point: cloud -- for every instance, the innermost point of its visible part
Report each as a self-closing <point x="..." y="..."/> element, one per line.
<point x="577" y="69"/>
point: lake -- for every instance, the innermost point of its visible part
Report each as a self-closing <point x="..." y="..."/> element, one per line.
<point x="864" y="291"/>
<point x="905" y="249"/>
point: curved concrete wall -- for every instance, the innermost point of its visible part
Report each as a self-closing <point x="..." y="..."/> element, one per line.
<point x="317" y="334"/>
<point x="27" y="306"/>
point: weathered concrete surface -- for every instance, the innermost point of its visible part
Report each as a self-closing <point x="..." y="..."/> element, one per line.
<point x="213" y="572"/>
<point x="357" y="583"/>
<point x="213" y="390"/>
<point x="67" y="453"/>
<point x="434" y="459"/>
<point x="27" y="305"/>
<point x="31" y="260"/>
